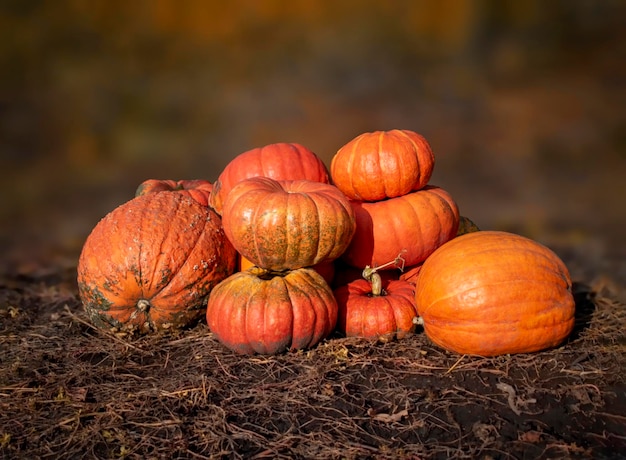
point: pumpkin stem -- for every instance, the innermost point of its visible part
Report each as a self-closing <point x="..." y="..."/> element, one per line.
<point x="143" y="305"/>
<point x="398" y="262"/>
<point x="371" y="273"/>
<point x="377" y="284"/>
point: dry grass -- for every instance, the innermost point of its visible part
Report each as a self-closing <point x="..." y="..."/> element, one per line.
<point x="70" y="390"/>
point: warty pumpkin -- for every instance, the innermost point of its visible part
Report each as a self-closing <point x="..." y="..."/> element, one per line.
<point x="258" y="311"/>
<point x="283" y="225"/>
<point x="280" y="161"/>
<point x="198" y="189"/>
<point x="150" y="263"/>
<point x="382" y="164"/>
<point x="413" y="225"/>
<point x="371" y="308"/>
<point x="490" y="293"/>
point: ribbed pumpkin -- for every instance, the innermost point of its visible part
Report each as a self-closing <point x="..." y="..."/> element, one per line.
<point x="198" y="189"/>
<point x="382" y="164"/>
<point x="257" y="311"/>
<point x="376" y="309"/>
<point x="280" y="161"/>
<point x="283" y="225"/>
<point x="151" y="262"/>
<point x="490" y="293"/>
<point x="412" y="225"/>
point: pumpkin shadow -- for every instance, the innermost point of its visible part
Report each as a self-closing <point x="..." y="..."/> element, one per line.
<point x="361" y="249"/>
<point x="585" y="306"/>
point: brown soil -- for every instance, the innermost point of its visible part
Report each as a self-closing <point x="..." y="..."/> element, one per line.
<point x="70" y="390"/>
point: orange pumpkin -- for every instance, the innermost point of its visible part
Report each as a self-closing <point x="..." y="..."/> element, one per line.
<point x="490" y="293"/>
<point x="198" y="189"/>
<point x="412" y="225"/>
<point x="382" y="164"/>
<point x="257" y="311"/>
<point x="283" y="225"/>
<point x="280" y="161"/>
<point x="151" y="263"/>
<point x="376" y="309"/>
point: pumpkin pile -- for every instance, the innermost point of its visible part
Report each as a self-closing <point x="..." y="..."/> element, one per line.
<point x="400" y="217"/>
<point x="280" y="252"/>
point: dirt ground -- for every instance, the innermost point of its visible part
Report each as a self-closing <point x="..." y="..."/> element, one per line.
<point x="69" y="390"/>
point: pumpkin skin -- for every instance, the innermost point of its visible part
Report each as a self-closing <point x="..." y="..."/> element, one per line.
<point x="490" y="293"/>
<point x="412" y="225"/>
<point x="382" y="164"/>
<point x="150" y="263"/>
<point x="256" y="311"/>
<point x="326" y="269"/>
<point x="280" y="161"/>
<point x="385" y="316"/>
<point x="284" y="225"/>
<point x="198" y="189"/>
<point x="410" y="274"/>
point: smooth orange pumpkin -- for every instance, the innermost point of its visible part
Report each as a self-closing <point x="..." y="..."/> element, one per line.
<point x="376" y="309"/>
<point x="151" y="263"/>
<point x="257" y="311"/>
<point x="284" y="225"/>
<point x="198" y="189"/>
<point x="280" y="161"/>
<point x="382" y="164"/>
<point x="412" y="225"/>
<point x="490" y="293"/>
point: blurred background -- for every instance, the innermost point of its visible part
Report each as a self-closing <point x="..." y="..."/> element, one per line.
<point x="522" y="102"/>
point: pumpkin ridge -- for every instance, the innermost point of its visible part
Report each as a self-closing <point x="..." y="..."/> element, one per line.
<point x="297" y="299"/>
<point x="318" y="236"/>
<point x="179" y="270"/>
<point x="161" y="254"/>
<point x="182" y="261"/>
<point x="324" y="242"/>
<point x="418" y="179"/>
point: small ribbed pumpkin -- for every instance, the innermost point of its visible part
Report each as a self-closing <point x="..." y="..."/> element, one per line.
<point x="490" y="293"/>
<point x="150" y="263"/>
<point x="371" y="308"/>
<point x="382" y="164"/>
<point x="198" y="189"/>
<point x="284" y="225"/>
<point x="258" y="311"/>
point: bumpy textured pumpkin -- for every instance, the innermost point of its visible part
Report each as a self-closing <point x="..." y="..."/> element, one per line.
<point x="151" y="262"/>
<point x="256" y="311"/>
<point x="412" y="225"/>
<point x="199" y="190"/>
<point x="283" y="225"/>
<point x="376" y="309"/>
<point x="281" y="161"/>
<point x="382" y="164"/>
<point x="489" y="293"/>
